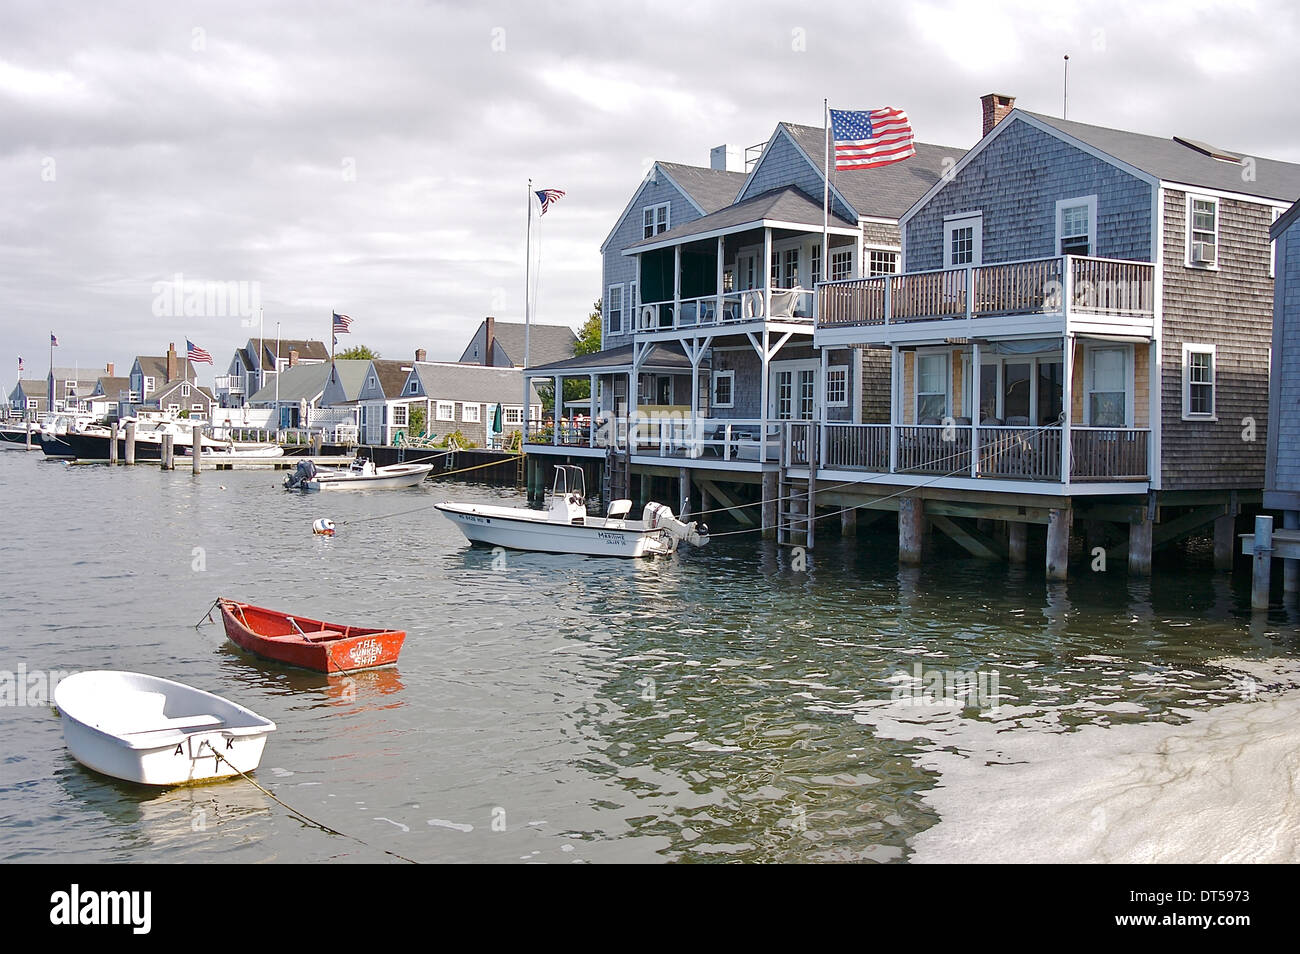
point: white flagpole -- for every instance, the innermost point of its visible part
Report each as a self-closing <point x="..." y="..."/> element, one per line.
<point x="528" y="262"/>
<point x="826" y="191"/>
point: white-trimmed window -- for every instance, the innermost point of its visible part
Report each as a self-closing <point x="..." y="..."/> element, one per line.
<point x="931" y="386"/>
<point x="841" y="264"/>
<point x="790" y="269"/>
<point x="372" y="383"/>
<point x="69" y="388"/>
<point x="963" y="239"/>
<point x="724" y="388"/>
<point x="399" y="415"/>
<point x="471" y="413"/>
<point x="196" y="407"/>
<point x="816" y="260"/>
<point x="512" y="415"/>
<point x="881" y="262"/>
<point x="33" y="403"/>
<point x="413" y="387"/>
<point x="654" y="219"/>
<point x="1198" y="382"/>
<point x="1076" y="226"/>
<point x="1106" y="385"/>
<point x="173" y="408"/>
<point x="445" y="410"/>
<point x="1202" y="231"/>
<point x="614" y="309"/>
<point x="837" y="386"/>
<point x="148" y="384"/>
<point x="185" y="390"/>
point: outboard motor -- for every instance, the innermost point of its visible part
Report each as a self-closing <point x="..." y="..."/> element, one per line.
<point x="304" y="472"/>
<point x="658" y="516"/>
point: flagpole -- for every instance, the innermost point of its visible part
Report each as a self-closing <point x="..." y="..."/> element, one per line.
<point x="528" y="263"/>
<point x="826" y="190"/>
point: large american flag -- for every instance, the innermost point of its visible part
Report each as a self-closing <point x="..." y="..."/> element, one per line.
<point x="548" y="197"/>
<point x="872" y="137"/>
<point x="342" y="324"/>
<point x="196" y="354"/>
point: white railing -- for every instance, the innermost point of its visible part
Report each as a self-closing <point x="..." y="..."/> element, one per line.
<point x="788" y="304"/>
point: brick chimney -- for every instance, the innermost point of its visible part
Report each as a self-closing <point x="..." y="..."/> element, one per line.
<point x="421" y="354"/>
<point x="108" y="370"/>
<point x="171" y="363"/>
<point x="293" y="357"/>
<point x="996" y="106"/>
<point x="490" y="338"/>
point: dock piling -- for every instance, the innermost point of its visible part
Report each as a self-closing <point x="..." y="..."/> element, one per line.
<point x="911" y="529"/>
<point x="130" y="442"/>
<point x="1290" y="568"/>
<point x="112" y="443"/>
<point x="167" y="462"/>
<point x="196" y="449"/>
<point x="1017" y="542"/>
<point x="1059" y="521"/>
<point x="1263" y="562"/>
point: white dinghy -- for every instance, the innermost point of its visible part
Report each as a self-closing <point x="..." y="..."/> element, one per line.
<point x="564" y="527"/>
<point x="361" y="474"/>
<point x="153" y="731"/>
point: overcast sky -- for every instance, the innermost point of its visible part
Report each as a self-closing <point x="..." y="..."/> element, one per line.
<point x="373" y="157"/>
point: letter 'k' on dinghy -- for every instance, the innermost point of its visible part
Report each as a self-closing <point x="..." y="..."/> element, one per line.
<point x="565" y="527"/>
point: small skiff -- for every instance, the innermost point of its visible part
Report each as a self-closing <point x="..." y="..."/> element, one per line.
<point x="309" y="643"/>
<point x="361" y="474"/>
<point x="564" y="527"/>
<point x="153" y="731"/>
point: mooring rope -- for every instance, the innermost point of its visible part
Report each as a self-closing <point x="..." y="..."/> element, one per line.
<point x="302" y="815"/>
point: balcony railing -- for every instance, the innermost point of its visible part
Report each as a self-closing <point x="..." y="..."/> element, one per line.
<point x="1006" y="453"/>
<point x="788" y="304"/>
<point x="1037" y="286"/>
<point x="668" y="436"/>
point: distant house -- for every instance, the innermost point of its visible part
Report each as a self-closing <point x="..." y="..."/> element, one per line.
<point x="109" y="394"/>
<point x="381" y="404"/>
<point x="1282" y="470"/>
<point x="152" y="373"/>
<point x="185" y="398"/>
<point x="295" y="394"/>
<point x="28" y="398"/>
<point x="70" y="388"/>
<point x="500" y="344"/>
<point x="253" y="366"/>
<point x="464" y="397"/>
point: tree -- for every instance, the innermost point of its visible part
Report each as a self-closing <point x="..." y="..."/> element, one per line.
<point x="589" y="335"/>
<point x="358" y="352"/>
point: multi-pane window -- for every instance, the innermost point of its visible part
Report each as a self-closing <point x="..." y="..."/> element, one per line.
<point x="1203" y="234"/>
<point x="816" y="263"/>
<point x="1076" y="229"/>
<point x="963" y="238"/>
<point x="446" y="410"/>
<point x="841" y="265"/>
<point x="1198" y="381"/>
<point x="1108" y="387"/>
<point x="880" y="262"/>
<point x="724" y="388"/>
<point x="837" y="387"/>
<point x="513" y="415"/>
<point x="931" y="386"/>
<point x="807" y="394"/>
<point x="784" y="395"/>
<point x="962" y="247"/>
<point x="790" y="271"/>
<point x="470" y="413"/>
<point x="654" y="219"/>
<point x="399" y="415"/>
<point x="614" y="309"/>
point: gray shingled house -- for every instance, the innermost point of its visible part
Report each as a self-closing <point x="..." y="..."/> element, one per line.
<point x="500" y="344"/>
<point x="1282" y="473"/>
<point x="464" y="397"/>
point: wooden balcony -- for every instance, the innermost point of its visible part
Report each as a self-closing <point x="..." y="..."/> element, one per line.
<point x="1103" y="290"/>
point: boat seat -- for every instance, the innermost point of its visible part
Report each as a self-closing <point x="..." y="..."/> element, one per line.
<point x="618" y="510"/>
<point x="323" y="635"/>
<point x="181" y="722"/>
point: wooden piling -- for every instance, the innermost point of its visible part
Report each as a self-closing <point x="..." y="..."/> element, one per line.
<point x="1224" y="534"/>
<point x="130" y="442"/>
<point x="683" y="492"/>
<point x="1263" y="562"/>
<point x="1290" y="568"/>
<point x="165" y="460"/>
<point x="1059" y="521"/>
<point x="849" y="521"/>
<point x="1139" y="546"/>
<point x="1017" y="542"/>
<point x="911" y="529"/>
<point x="196" y="450"/>
<point x="771" y="490"/>
<point x="112" y="443"/>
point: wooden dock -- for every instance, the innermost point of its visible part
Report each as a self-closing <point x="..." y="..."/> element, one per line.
<point x="1262" y="546"/>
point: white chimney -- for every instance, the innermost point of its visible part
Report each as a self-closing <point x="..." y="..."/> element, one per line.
<point x="727" y="158"/>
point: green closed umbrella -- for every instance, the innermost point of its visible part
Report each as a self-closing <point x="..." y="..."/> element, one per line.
<point x="497" y="425"/>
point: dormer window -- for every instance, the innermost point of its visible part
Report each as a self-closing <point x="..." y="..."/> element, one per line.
<point x="1202" y="232"/>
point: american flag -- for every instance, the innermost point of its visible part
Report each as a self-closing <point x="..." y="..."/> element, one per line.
<point x="196" y="354"/>
<point x="342" y="324"/>
<point x="548" y="197"/>
<point x="868" y="138"/>
<point x="54" y="342"/>
<point x="20" y="364"/>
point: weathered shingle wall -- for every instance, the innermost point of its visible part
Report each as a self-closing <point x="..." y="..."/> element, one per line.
<point x="1232" y="309"/>
<point x="1016" y="182"/>
<point x="1286" y="361"/>
<point x="784" y="165"/>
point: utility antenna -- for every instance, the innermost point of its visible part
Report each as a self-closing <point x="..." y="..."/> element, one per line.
<point x="1065" y="90"/>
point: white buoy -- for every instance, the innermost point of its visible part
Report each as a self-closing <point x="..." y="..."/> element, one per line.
<point x="323" y="527"/>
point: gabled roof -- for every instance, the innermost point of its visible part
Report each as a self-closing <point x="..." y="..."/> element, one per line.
<point x="271" y="349"/>
<point x="33" y="388"/>
<point x="453" y="381"/>
<point x="1285" y="221"/>
<point x="710" y="188"/>
<point x="886" y="191"/>
<point x="82" y="376"/>
<point x="301" y="382"/>
<point x="788" y="205"/>
<point x="1183" y="162"/>
<point x="351" y="375"/>
<point x="111" y="387"/>
<point x="661" y="357"/>
<point x="392" y="376"/>
<point x="165" y="390"/>
<point x="155" y="366"/>
<point x="545" y="342"/>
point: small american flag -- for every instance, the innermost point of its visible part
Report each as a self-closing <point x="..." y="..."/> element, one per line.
<point x="54" y="341"/>
<point x="548" y="197"/>
<point x="196" y="354"/>
<point x="873" y="137"/>
<point x="342" y="324"/>
<point x="20" y="364"/>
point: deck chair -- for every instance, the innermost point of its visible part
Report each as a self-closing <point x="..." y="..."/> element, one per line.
<point x="618" y="510"/>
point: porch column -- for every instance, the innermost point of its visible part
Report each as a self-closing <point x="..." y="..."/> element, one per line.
<point x="557" y="410"/>
<point x="1058" y="542"/>
<point x="632" y="412"/>
<point x="1067" y="404"/>
<point x="677" y="286"/>
<point x="717" y="314"/>
<point x="764" y="392"/>
<point x="895" y="399"/>
<point x="767" y="272"/>
<point x="974" y="409"/>
<point x="591" y="416"/>
<point x="821" y="412"/>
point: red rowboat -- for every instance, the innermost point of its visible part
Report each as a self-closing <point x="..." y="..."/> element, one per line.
<point x="310" y="643"/>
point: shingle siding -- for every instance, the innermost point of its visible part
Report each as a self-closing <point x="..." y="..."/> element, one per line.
<point x="1285" y="450"/>
<point x="1232" y="309"/>
<point x="783" y="164"/>
<point x="1016" y="182"/>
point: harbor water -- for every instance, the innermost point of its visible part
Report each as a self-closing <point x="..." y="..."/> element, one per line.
<point x="736" y="702"/>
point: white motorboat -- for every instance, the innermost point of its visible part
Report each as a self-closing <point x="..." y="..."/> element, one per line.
<point x="361" y="474"/>
<point x="234" y="450"/>
<point x="565" y="527"/>
<point x="153" y="731"/>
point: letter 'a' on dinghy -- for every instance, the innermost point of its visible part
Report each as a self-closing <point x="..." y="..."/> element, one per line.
<point x="565" y="527"/>
<point x="152" y="731"/>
